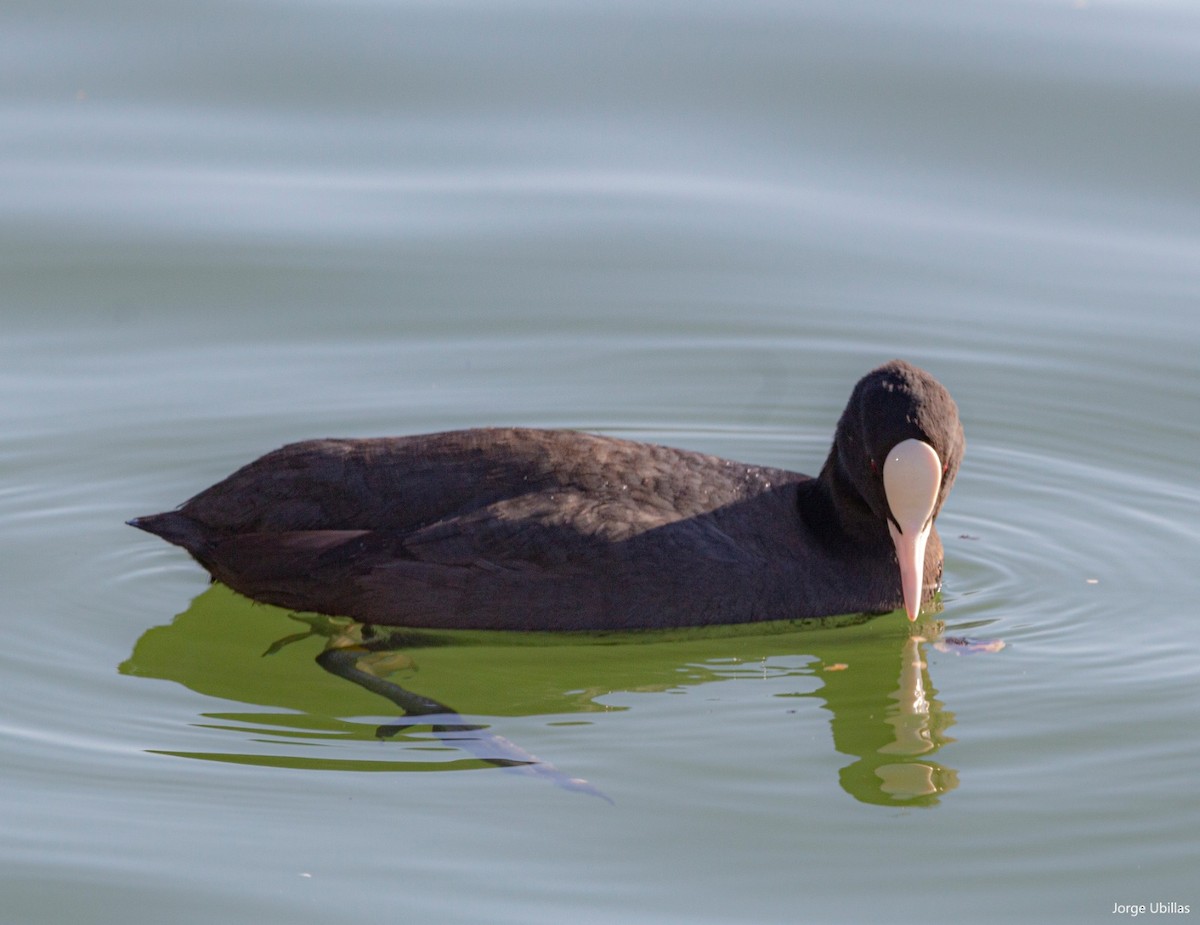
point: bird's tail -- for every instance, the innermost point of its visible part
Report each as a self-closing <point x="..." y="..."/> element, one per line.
<point x="176" y="528"/>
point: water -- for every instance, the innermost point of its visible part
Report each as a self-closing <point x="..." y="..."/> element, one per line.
<point x="231" y="225"/>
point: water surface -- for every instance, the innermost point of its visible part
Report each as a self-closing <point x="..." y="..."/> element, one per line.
<point x="232" y="225"/>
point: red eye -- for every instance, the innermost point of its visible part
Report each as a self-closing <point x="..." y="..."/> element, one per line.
<point x="874" y="466"/>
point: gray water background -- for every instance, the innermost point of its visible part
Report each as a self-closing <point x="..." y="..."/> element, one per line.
<point x="227" y="225"/>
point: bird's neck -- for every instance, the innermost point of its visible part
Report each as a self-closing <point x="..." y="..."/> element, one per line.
<point x="836" y="501"/>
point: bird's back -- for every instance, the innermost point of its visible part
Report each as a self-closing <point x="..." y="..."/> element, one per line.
<point x="511" y="528"/>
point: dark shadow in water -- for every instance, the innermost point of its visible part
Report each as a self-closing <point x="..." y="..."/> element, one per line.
<point x="367" y="662"/>
<point x="873" y="678"/>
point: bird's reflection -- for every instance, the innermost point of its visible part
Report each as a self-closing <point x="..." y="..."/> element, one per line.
<point x="885" y="712"/>
<point x="363" y="656"/>
<point x="892" y="734"/>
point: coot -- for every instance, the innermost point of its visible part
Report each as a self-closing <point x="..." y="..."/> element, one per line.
<point x="523" y="529"/>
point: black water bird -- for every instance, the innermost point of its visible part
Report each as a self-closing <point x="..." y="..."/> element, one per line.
<point x="523" y="529"/>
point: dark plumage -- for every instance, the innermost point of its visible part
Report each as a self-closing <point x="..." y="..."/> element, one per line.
<point x="557" y="530"/>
